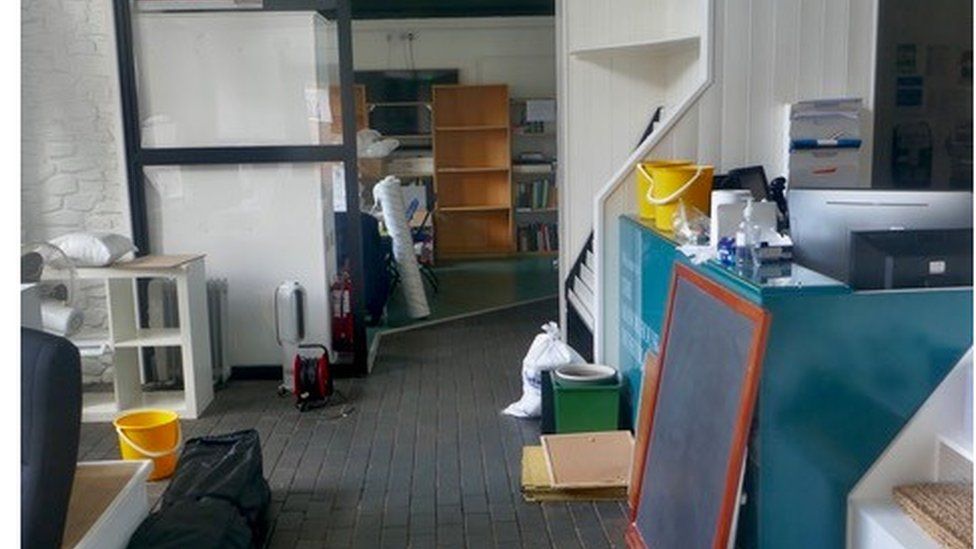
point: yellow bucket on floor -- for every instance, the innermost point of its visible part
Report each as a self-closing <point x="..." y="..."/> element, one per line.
<point x="691" y="184"/>
<point x="150" y="434"/>
<point x="645" y="181"/>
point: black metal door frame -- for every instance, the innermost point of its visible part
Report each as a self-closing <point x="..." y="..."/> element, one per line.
<point x="138" y="157"/>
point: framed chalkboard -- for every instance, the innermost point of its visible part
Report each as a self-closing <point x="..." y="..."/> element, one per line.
<point x="694" y="419"/>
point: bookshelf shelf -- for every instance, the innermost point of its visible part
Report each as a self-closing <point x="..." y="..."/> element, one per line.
<point x="490" y="127"/>
<point x="472" y="169"/>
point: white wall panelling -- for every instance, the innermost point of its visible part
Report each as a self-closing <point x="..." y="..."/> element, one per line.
<point x="767" y="54"/>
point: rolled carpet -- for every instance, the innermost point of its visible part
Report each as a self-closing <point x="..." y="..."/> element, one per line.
<point x="59" y="319"/>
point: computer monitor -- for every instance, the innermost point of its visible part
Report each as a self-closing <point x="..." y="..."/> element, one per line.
<point x="821" y="220"/>
<point x="753" y="179"/>
<point x="911" y="259"/>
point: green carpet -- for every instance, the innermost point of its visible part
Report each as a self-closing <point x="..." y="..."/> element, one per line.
<point x="470" y="286"/>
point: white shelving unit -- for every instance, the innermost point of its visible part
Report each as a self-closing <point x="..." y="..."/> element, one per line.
<point x="127" y="339"/>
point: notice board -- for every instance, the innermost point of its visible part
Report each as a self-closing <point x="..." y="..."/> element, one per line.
<point x="695" y="422"/>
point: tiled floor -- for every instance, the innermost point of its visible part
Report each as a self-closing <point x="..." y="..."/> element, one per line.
<point x="424" y="460"/>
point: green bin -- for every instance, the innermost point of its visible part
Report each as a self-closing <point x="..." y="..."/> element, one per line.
<point x="586" y="408"/>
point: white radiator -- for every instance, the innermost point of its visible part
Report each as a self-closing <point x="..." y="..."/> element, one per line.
<point x="163" y="313"/>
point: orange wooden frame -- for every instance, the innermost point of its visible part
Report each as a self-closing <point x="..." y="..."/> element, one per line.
<point x="649" y="394"/>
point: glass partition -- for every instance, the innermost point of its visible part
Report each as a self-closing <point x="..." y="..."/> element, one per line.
<point x="243" y="78"/>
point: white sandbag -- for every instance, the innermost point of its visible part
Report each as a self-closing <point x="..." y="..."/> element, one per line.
<point x="547" y="352"/>
<point x="59" y="319"/>
<point x="389" y="196"/>
<point x="94" y="249"/>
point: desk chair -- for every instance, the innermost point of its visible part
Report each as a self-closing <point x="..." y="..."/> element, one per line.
<point x="50" y="426"/>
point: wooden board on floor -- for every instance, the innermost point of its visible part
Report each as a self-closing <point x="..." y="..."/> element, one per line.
<point x="589" y="460"/>
<point x="537" y="487"/>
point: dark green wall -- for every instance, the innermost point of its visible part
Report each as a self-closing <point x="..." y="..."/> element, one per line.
<point x="405" y="9"/>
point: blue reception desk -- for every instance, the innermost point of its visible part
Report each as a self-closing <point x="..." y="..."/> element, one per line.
<point x="843" y="372"/>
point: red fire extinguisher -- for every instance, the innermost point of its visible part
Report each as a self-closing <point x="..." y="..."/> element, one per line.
<point x="342" y="319"/>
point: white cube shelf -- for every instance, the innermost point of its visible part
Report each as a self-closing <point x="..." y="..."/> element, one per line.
<point x="127" y="339"/>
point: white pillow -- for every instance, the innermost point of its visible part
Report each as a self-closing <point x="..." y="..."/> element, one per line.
<point x="94" y="249"/>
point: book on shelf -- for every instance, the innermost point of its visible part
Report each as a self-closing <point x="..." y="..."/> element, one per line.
<point x="538" y="237"/>
<point x="540" y="194"/>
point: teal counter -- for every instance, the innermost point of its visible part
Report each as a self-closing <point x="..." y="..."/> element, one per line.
<point x="843" y="372"/>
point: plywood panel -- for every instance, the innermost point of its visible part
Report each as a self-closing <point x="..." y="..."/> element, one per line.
<point x="589" y="460"/>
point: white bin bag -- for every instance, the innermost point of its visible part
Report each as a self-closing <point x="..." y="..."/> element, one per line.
<point x="547" y="352"/>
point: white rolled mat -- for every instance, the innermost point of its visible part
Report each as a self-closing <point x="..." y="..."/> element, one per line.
<point x="60" y="319"/>
<point x="389" y="196"/>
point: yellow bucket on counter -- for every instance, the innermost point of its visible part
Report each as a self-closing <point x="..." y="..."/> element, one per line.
<point x="645" y="181"/>
<point x="688" y="183"/>
<point x="150" y="434"/>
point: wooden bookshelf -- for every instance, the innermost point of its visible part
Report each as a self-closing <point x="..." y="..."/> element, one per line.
<point x="473" y="171"/>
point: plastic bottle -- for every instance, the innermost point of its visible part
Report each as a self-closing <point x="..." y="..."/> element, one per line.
<point x="743" y="250"/>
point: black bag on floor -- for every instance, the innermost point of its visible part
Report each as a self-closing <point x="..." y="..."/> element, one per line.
<point x="224" y="467"/>
<point x="203" y="524"/>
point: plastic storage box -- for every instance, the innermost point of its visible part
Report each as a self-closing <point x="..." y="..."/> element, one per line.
<point x="586" y="408"/>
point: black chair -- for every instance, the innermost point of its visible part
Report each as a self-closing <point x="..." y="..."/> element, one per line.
<point x="50" y="424"/>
